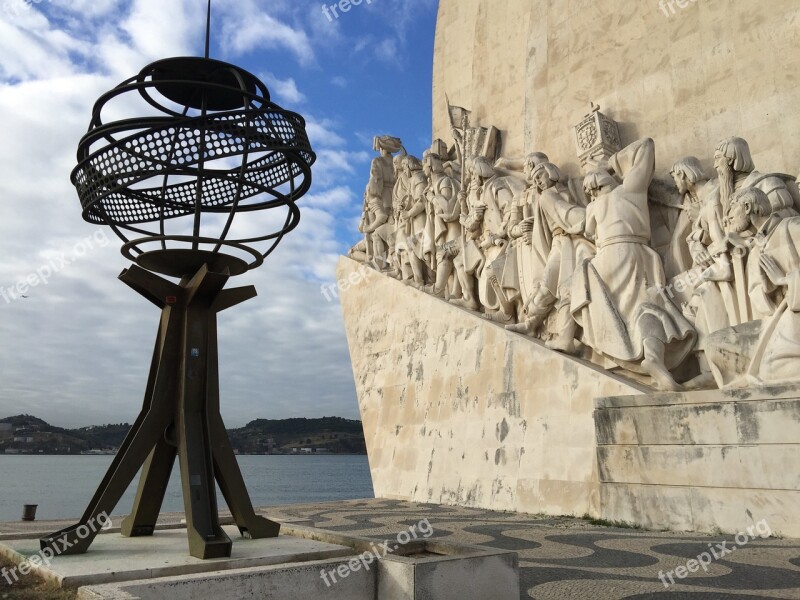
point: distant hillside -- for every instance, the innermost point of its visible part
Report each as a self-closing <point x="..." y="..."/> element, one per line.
<point x="101" y="437"/>
<point x="334" y="434"/>
<point x="30" y="435"/>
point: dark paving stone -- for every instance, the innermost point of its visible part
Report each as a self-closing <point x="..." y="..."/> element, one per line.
<point x="601" y="558"/>
<point x="693" y="596"/>
<point x="501" y="541"/>
<point x="588" y="570"/>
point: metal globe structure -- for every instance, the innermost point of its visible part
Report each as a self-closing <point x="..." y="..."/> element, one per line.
<point x="183" y="185"/>
<point x="213" y="145"/>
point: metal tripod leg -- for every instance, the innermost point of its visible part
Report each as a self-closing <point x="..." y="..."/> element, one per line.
<point x="231" y="482"/>
<point x="206" y="537"/>
<point x="77" y="538"/>
<point x="150" y="494"/>
<point x="157" y="468"/>
<point x="142" y="437"/>
<point x="226" y="469"/>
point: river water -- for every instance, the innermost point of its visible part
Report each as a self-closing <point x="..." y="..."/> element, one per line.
<point x="63" y="485"/>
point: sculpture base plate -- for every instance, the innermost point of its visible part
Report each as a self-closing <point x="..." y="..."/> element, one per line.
<point x="180" y="262"/>
<point x="114" y="558"/>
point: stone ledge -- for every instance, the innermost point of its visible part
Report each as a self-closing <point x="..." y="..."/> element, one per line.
<point x="709" y="510"/>
<point x="775" y="392"/>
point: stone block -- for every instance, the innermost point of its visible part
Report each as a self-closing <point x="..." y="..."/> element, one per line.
<point x="279" y="582"/>
<point x="706" y="461"/>
<point x="436" y="571"/>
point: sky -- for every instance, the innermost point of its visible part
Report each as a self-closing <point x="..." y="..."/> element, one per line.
<point x="77" y="350"/>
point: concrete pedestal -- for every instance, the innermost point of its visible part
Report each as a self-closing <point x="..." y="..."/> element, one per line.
<point x="304" y="564"/>
<point x="114" y="558"/>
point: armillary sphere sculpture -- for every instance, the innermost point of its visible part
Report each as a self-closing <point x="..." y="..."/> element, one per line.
<point x="213" y="147"/>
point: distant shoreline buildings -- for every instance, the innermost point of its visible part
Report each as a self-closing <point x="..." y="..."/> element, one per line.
<point x="327" y="436"/>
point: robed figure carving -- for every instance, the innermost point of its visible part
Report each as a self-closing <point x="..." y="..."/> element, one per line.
<point x="615" y="296"/>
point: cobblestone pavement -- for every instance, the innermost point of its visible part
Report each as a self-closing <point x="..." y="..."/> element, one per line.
<point x="566" y="559"/>
<point x="561" y="558"/>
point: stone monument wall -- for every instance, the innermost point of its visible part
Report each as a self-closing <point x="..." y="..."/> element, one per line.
<point x="702" y="461"/>
<point x="457" y="410"/>
<point x="687" y="77"/>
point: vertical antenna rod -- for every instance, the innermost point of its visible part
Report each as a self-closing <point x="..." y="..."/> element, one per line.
<point x="208" y="29"/>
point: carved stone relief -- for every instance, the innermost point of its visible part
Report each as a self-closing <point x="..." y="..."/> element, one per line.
<point x="713" y="302"/>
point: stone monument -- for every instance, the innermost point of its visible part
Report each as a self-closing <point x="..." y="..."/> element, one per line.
<point x="643" y="254"/>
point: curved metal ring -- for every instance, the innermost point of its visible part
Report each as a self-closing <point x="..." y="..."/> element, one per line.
<point x="126" y="248"/>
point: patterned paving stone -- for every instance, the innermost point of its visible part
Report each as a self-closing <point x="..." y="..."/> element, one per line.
<point x="566" y="559"/>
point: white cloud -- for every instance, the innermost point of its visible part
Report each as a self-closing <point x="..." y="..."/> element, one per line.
<point x="333" y="165"/>
<point x="88" y="9"/>
<point x="387" y="50"/>
<point x="248" y="28"/>
<point x="403" y="15"/>
<point x="337" y="197"/>
<point x="77" y="351"/>
<point x="284" y="90"/>
<point x="321" y="133"/>
<point x="159" y="29"/>
<point x="32" y="49"/>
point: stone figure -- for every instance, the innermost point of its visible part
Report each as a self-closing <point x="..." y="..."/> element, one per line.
<point x="749" y="224"/>
<point x="523" y="266"/>
<point x="387" y="146"/>
<point x="725" y="301"/>
<point x="696" y="188"/>
<point x="692" y="236"/>
<point x="558" y="224"/>
<point x="377" y="222"/>
<point x="734" y="164"/>
<point x="411" y="220"/>
<point x="774" y="276"/>
<point x="501" y="272"/>
<point x="615" y="295"/>
<point x="736" y="170"/>
<point x="489" y="200"/>
<point x="771" y="247"/>
<point x="400" y="192"/>
<point x="470" y="260"/>
<point x="688" y="248"/>
<point x="444" y="216"/>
